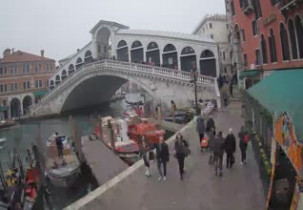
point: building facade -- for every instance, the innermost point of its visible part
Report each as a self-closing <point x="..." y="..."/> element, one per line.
<point x="24" y="80"/>
<point x="216" y="27"/>
<point x="269" y="34"/>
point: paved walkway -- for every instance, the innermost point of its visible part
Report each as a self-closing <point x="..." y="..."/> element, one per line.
<point x="238" y="189"/>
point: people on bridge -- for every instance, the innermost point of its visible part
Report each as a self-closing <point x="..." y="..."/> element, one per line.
<point x="200" y="128"/>
<point x="243" y="140"/>
<point x="218" y="146"/>
<point x="162" y="154"/>
<point x="144" y="145"/>
<point x="181" y="151"/>
<point x="230" y="148"/>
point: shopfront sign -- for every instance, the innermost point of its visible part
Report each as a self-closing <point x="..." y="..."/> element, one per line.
<point x="269" y="19"/>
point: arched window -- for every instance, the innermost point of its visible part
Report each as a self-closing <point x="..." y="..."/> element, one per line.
<point x="79" y="63"/>
<point x="58" y="80"/>
<point x="71" y="69"/>
<point x="15" y="107"/>
<point x="153" y="54"/>
<point x="264" y="49"/>
<point x="237" y="32"/>
<point x="170" y="57"/>
<point x="284" y="42"/>
<point x="208" y="63"/>
<point x="272" y="46"/>
<point x="137" y="52"/>
<point x="188" y="59"/>
<point x="51" y="84"/>
<point x="122" y="51"/>
<point x="299" y="29"/>
<point x="63" y="75"/>
<point x="293" y="42"/>
<point x="88" y="57"/>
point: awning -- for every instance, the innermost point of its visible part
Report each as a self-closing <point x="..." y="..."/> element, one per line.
<point x="249" y="73"/>
<point x="3" y="108"/>
<point x="40" y="93"/>
<point x="282" y="92"/>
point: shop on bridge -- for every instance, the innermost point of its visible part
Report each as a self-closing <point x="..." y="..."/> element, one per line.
<point x="275" y="116"/>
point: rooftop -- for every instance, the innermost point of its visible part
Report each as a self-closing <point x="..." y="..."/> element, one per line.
<point x="216" y="17"/>
<point x="19" y="56"/>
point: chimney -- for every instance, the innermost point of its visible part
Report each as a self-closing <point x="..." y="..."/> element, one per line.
<point x="42" y="53"/>
<point x="6" y="52"/>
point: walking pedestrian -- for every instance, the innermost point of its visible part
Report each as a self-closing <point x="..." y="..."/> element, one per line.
<point x="231" y="88"/>
<point x="218" y="153"/>
<point x="59" y="145"/>
<point x="211" y="141"/>
<point x="225" y="98"/>
<point x="200" y="128"/>
<point x="243" y="140"/>
<point x="162" y="154"/>
<point x="181" y="151"/>
<point x="230" y="148"/>
<point x="144" y="145"/>
<point x="210" y="125"/>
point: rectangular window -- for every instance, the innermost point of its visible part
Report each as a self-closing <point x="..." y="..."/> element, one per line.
<point x="258" y="57"/>
<point x="5" y="87"/>
<point x="227" y="26"/>
<point x="15" y="86"/>
<point x="36" y="68"/>
<point x="243" y="35"/>
<point x="40" y="67"/>
<point x="47" y="67"/>
<point x="1" y="88"/>
<point x="15" y="70"/>
<point x="210" y="25"/>
<point x="36" y="83"/>
<point x="257" y="7"/>
<point x="212" y="36"/>
<point x="223" y="55"/>
<point x="12" y="87"/>
<point x="1" y="71"/>
<point x="24" y="86"/>
<point x="255" y="27"/>
<point x="5" y="71"/>
<point x="40" y="83"/>
<point x="28" y="85"/>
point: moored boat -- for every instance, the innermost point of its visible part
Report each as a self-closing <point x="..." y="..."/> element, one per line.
<point x="7" y="123"/>
<point x="2" y="142"/>
<point x="62" y="172"/>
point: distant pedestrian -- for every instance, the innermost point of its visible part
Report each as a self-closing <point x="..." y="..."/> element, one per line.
<point x="162" y="154"/>
<point x="218" y="153"/>
<point x="59" y="145"/>
<point x="231" y="88"/>
<point x="144" y="146"/>
<point x="225" y="98"/>
<point x="181" y="151"/>
<point x="210" y="125"/>
<point x="230" y="148"/>
<point x="243" y="140"/>
<point x="211" y="141"/>
<point x="200" y="128"/>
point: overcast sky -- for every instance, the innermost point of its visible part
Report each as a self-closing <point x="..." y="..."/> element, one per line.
<point x="61" y="26"/>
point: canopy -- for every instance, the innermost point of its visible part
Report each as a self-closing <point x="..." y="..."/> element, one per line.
<point x="282" y="92"/>
<point x="40" y="93"/>
<point x="3" y="108"/>
<point x="249" y="73"/>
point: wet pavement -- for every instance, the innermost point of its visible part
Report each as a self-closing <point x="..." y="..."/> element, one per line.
<point x="239" y="189"/>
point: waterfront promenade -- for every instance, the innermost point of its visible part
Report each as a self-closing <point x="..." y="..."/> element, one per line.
<point x="239" y="189"/>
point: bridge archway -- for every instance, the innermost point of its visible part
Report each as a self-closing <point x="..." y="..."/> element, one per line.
<point x="188" y="59"/>
<point x="208" y="63"/>
<point x="15" y="107"/>
<point x="170" y="57"/>
<point x="122" y="51"/>
<point x="71" y="69"/>
<point x="88" y="57"/>
<point x="153" y="53"/>
<point x="58" y="80"/>
<point x="137" y="52"/>
<point x="103" y="43"/>
<point x="79" y="63"/>
<point x="51" y="84"/>
<point x="26" y="103"/>
<point x="64" y="75"/>
<point x="100" y="89"/>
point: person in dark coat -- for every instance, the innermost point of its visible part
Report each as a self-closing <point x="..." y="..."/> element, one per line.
<point x="242" y="144"/>
<point x="59" y="145"/>
<point x="143" y="145"/>
<point x="211" y="140"/>
<point x="162" y="154"/>
<point x="200" y="128"/>
<point x="231" y="88"/>
<point x="230" y="148"/>
<point x="218" y="146"/>
<point x="225" y="97"/>
<point x="210" y="125"/>
<point x="180" y="145"/>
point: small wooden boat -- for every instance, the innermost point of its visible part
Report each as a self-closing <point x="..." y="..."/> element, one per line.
<point x="7" y="123"/>
<point x="62" y="172"/>
<point x="2" y="141"/>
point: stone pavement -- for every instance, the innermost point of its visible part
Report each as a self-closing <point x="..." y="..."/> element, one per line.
<point x="239" y="189"/>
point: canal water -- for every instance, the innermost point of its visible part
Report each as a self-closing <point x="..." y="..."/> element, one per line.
<point x="23" y="135"/>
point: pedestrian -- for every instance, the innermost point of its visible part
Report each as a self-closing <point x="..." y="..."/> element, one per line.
<point x="200" y="128"/>
<point x="218" y="153"/>
<point x="144" y="146"/>
<point x="181" y="151"/>
<point x="210" y="125"/>
<point x="243" y="139"/>
<point x="211" y="141"/>
<point x="231" y="88"/>
<point x="225" y="97"/>
<point x="230" y="148"/>
<point x="59" y="145"/>
<point x="162" y="154"/>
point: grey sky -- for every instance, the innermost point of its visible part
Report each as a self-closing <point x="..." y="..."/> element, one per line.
<point x="61" y="26"/>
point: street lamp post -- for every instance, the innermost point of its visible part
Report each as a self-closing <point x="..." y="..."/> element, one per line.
<point x="194" y="80"/>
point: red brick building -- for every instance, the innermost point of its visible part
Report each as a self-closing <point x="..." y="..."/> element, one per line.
<point x="269" y="34"/>
<point x="23" y="81"/>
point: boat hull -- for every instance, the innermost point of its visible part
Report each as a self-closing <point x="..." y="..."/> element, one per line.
<point x="64" y="181"/>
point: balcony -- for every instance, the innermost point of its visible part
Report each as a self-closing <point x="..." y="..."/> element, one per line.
<point x="247" y="6"/>
<point x="289" y="5"/>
